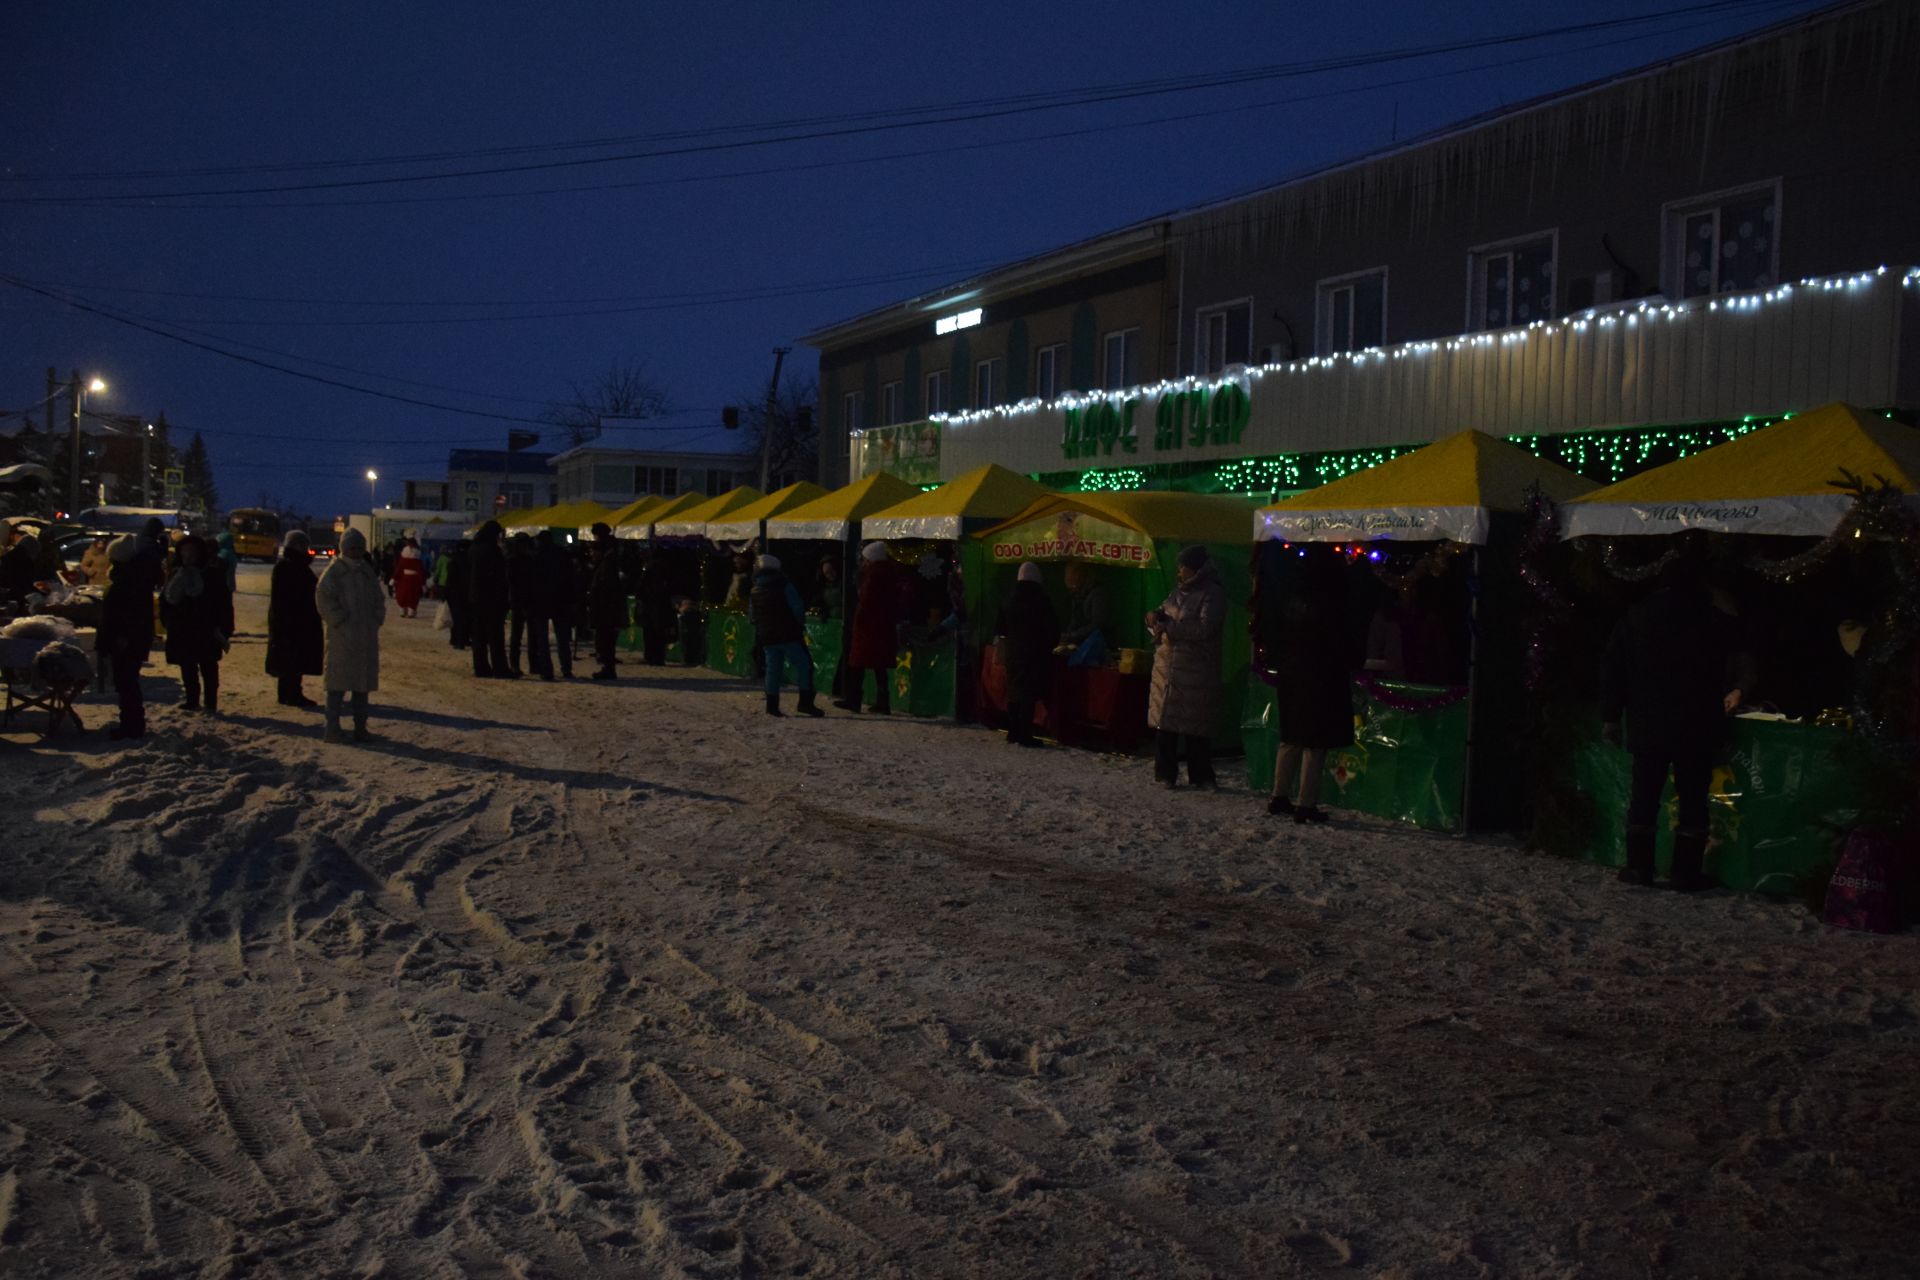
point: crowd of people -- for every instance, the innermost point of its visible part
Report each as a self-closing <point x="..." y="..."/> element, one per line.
<point x="1674" y="670"/>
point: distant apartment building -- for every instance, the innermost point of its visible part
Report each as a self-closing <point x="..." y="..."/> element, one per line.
<point x="426" y="495"/>
<point x="483" y="482"/>
<point x="1687" y="249"/>
<point x="664" y="456"/>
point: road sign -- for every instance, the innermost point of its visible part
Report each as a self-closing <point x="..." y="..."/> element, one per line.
<point x="175" y="478"/>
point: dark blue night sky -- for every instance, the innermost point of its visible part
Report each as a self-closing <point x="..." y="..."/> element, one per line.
<point x="471" y="291"/>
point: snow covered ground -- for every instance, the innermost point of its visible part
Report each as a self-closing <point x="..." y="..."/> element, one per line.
<point x="635" y="981"/>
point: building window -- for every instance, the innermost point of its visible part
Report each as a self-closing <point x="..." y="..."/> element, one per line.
<point x="889" y="404"/>
<point x="1511" y="283"/>
<point x="657" y="482"/>
<point x="617" y="481"/>
<point x="1122" y="367"/>
<point x="1046" y="370"/>
<point x="936" y="392"/>
<point x="850" y="411"/>
<point x="989" y="383"/>
<point x="1352" y="312"/>
<point x="719" y="482"/>
<point x="1223" y="335"/>
<point x="1724" y="243"/>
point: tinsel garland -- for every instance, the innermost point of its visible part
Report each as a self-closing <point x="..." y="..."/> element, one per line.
<point x="1635" y="573"/>
<point x="1878" y="511"/>
<point x="1543" y="534"/>
<point x="1375" y="688"/>
<point x="1432" y="564"/>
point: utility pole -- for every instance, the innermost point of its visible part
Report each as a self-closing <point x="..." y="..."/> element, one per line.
<point x="73" y="480"/>
<point x="766" y="424"/>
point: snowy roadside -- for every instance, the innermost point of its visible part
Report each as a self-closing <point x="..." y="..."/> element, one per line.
<point x="569" y="979"/>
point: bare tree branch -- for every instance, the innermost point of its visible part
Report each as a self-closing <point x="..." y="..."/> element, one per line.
<point x="623" y="391"/>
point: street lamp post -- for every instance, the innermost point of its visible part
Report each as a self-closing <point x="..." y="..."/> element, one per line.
<point x="373" y="500"/>
<point x="146" y="467"/>
<point x="78" y="396"/>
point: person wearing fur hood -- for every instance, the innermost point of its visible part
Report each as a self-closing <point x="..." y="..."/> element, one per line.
<point x="353" y="605"/>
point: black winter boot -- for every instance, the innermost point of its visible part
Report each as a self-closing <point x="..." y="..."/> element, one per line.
<point x="1689" y="859"/>
<point x="773" y="705"/>
<point x="806" y="707"/>
<point x="1639" y="866"/>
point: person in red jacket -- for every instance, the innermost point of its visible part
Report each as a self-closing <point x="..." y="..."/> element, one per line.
<point x="409" y="579"/>
<point x="880" y="606"/>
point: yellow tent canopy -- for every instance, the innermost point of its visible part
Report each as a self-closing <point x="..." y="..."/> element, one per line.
<point x="1116" y="528"/>
<point x="1443" y="490"/>
<point x="567" y="515"/>
<point x="838" y="514"/>
<point x="986" y="493"/>
<point x="506" y="518"/>
<point x="1778" y="480"/>
<point x="692" y="522"/>
<point x="744" y="525"/>
<point x="634" y="511"/>
<point x="642" y="525"/>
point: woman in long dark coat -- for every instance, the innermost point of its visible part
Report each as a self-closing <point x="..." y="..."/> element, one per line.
<point x="296" y="646"/>
<point x="1312" y="695"/>
<point x="197" y="607"/>
<point x="1032" y="629"/>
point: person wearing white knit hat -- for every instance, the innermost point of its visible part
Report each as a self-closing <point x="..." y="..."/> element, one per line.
<point x="779" y="623"/>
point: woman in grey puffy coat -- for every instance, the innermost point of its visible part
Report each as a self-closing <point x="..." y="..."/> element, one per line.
<point x="1186" y="630"/>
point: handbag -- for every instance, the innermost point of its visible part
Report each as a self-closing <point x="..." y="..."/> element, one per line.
<point x="443" y="618"/>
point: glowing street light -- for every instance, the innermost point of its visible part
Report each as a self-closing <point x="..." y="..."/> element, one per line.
<point x="373" y="479"/>
<point x="79" y="395"/>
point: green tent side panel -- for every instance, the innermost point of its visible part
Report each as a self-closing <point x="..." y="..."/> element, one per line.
<point x="1131" y="595"/>
<point x="1781" y="803"/>
<point x="1409" y="766"/>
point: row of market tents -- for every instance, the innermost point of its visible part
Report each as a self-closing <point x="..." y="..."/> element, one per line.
<point x="1448" y="757"/>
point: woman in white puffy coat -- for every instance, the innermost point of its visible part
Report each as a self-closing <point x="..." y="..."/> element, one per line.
<point x="353" y="605"/>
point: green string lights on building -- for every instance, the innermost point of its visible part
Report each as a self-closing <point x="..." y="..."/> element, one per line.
<point x="1602" y="456"/>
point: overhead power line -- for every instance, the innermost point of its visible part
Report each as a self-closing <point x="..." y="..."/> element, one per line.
<point x="921" y="120"/>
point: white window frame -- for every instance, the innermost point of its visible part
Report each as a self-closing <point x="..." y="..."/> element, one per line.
<point x="1129" y="341"/>
<point x="1476" y="304"/>
<point x="989" y="382"/>
<point x="889" y="403"/>
<point x="943" y="379"/>
<point x="1202" y="340"/>
<point x="1673" y="221"/>
<point x="1323" y="291"/>
<point x="850" y="407"/>
<point x="1055" y="353"/>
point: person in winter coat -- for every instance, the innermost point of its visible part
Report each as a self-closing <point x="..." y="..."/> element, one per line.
<point x="1032" y="628"/>
<point x="20" y="568"/>
<point x="1674" y="667"/>
<point x="126" y="631"/>
<point x="606" y="601"/>
<point x="295" y="647"/>
<point x="1186" y="629"/>
<point x="551" y="605"/>
<point x="456" y="586"/>
<point x="223" y="552"/>
<point x="95" y="568"/>
<point x="1086" y="607"/>
<point x="657" y="623"/>
<point x="197" y="608"/>
<point x="487" y="600"/>
<point x="779" y="620"/>
<point x="353" y="604"/>
<point x="409" y="579"/>
<point x="882" y="604"/>
<point x="520" y="591"/>
<point x="1312" y="695"/>
<point x="830" y="596"/>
